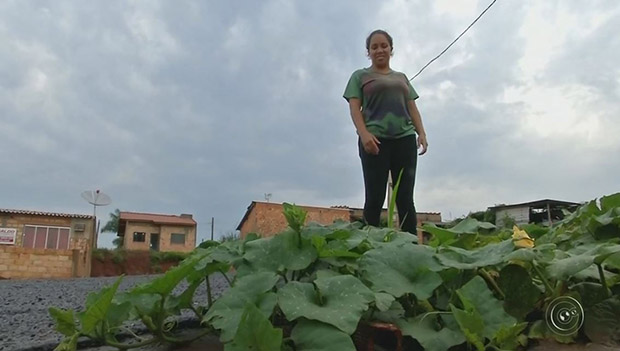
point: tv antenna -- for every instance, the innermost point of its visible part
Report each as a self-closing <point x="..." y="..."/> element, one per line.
<point x="96" y="198"/>
<point x="267" y="196"/>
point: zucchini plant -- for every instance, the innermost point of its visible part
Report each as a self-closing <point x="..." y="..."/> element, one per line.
<point x="311" y="287"/>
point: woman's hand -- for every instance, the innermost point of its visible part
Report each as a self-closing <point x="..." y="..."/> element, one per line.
<point x="370" y="143"/>
<point x="422" y="143"/>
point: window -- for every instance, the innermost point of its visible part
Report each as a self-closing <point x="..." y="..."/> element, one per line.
<point x="42" y="237"/>
<point x="139" y="237"/>
<point x="176" y="238"/>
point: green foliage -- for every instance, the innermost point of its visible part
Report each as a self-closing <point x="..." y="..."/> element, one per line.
<point x="229" y="236"/>
<point x="309" y="287"/>
<point x="316" y="336"/>
<point x="338" y="301"/>
<point x="255" y="332"/>
<point x="100" y="254"/>
<point x="111" y="225"/>
<point x="392" y="204"/>
<point x="171" y="256"/>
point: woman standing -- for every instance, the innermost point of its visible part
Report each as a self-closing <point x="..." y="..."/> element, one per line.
<point x="383" y="109"/>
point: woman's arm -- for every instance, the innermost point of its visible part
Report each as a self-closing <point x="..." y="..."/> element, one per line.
<point x="419" y="127"/>
<point x="369" y="141"/>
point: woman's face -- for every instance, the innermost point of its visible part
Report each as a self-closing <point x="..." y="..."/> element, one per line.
<point x="379" y="50"/>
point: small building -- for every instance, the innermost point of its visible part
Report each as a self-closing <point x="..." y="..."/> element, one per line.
<point x="36" y="244"/>
<point x="543" y="212"/>
<point x="158" y="232"/>
<point x="267" y="219"/>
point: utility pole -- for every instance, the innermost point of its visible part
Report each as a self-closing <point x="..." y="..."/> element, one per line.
<point x="212" y="224"/>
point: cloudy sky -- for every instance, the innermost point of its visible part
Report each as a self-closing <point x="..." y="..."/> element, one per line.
<point x="204" y="106"/>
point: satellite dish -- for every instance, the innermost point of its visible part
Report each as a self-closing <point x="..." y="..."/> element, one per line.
<point x="96" y="198"/>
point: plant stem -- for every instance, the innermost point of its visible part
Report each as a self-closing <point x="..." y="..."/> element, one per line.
<point x="226" y="277"/>
<point x="122" y="346"/>
<point x="283" y="275"/>
<point x="209" y="295"/>
<point x="548" y="287"/>
<point x="601" y="274"/>
<point x="185" y="341"/>
<point x="483" y="272"/>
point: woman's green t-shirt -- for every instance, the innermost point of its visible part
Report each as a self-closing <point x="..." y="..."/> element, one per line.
<point x="384" y="99"/>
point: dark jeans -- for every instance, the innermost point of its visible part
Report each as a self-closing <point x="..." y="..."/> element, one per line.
<point x="394" y="155"/>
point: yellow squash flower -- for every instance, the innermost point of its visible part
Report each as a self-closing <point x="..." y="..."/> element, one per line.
<point x="521" y="238"/>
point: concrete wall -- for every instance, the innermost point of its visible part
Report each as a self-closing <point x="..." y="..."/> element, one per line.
<point x="164" y="232"/>
<point x="23" y="263"/>
<point x="267" y="219"/>
<point x="521" y="215"/>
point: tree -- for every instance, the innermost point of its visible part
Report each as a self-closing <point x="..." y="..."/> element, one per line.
<point x="112" y="227"/>
<point x="112" y="224"/>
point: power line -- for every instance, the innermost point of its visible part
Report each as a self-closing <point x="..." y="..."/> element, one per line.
<point x="455" y="40"/>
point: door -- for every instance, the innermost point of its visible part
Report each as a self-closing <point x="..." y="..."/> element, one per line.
<point x="155" y="241"/>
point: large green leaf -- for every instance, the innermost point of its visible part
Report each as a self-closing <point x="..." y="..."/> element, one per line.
<point x="166" y="283"/>
<point x="226" y="312"/>
<point x="395" y="313"/>
<point x="255" y="332"/>
<point x="311" y="335"/>
<point x="333" y="248"/>
<point x="283" y="251"/>
<point x="488" y="255"/>
<point x="400" y="270"/>
<point x="590" y="293"/>
<point x="380" y="237"/>
<point x="64" y="320"/>
<point x="471" y="226"/>
<point x="338" y="301"/>
<point x="508" y="338"/>
<point x="580" y="258"/>
<point x="477" y="294"/>
<point x="69" y="343"/>
<point x="610" y="202"/>
<point x="521" y="293"/>
<point x="175" y="304"/>
<point x="471" y="325"/>
<point x="98" y="310"/>
<point x="602" y="322"/>
<point x="451" y="236"/>
<point x="428" y="330"/>
<point x="383" y="301"/>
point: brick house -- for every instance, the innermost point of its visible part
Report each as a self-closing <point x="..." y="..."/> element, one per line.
<point x="267" y="218"/>
<point x="159" y="232"/>
<point x="357" y="214"/>
<point x="35" y="244"/>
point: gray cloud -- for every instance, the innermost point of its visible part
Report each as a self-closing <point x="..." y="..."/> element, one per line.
<point x="202" y="108"/>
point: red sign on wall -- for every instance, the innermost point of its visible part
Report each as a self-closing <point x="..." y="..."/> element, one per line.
<point x="7" y="236"/>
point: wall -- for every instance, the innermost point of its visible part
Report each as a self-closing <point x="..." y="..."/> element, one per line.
<point x="23" y="263"/>
<point x="268" y="219"/>
<point x="129" y="244"/>
<point x="190" y="238"/>
<point x="521" y="215"/>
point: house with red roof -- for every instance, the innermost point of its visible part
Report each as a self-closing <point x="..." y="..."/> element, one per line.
<point x="158" y="232"/>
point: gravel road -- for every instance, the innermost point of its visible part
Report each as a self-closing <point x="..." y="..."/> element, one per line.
<point x="24" y="319"/>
